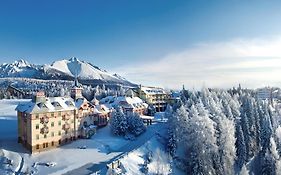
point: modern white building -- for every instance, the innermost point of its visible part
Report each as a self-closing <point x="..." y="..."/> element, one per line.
<point x="265" y="93"/>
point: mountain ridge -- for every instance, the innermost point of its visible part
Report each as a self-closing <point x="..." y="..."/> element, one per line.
<point x="65" y="69"/>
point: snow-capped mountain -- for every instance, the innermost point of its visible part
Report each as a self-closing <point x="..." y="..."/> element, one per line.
<point x="65" y="69"/>
<point x="20" y="68"/>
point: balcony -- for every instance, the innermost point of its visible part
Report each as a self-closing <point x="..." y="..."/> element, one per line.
<point x="44" y="130"/>
<point x="66" y="117"/>
<point x="66" y="126"/>
<point x="44" y="120"/>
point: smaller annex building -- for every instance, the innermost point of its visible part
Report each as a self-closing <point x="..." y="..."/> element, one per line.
<point x="131" y="104"/>
<point x="153" y="96"/>
<point x="48" y="122"/>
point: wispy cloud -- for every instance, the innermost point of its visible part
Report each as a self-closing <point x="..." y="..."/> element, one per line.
<point x="253" y="63"/>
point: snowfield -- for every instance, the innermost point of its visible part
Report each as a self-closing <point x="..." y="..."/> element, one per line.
<point x="150" y="158"/>
<point x="97" y="152"/>
<point x="74" y="67"/>
<point x="8" y="119"/>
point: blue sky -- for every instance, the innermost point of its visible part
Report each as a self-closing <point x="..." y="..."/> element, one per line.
<point x="121" y="34"/>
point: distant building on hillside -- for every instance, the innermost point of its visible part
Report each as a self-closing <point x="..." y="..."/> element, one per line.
<point x="269" y="93"/>
<point x="155" y="96"/>
<point x="265" y="93"/>
<point x="48" y="122"/>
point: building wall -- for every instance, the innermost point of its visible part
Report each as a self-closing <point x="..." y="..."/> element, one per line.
<point x="265" y="93"/>
<point x="101" y="119"/>
<point x="159" y="101"/>
<point x="24" y="128"/>
<point x="63" y="127"/>
<point x="56" y="123"/>
<point x="57" y="132"/>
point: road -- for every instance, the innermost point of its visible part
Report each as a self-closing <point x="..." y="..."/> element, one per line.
<point x="91" y="168"/>
<point x="18" y="172"/>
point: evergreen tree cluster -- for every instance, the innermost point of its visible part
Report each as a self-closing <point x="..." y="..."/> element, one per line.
<point x="123" y="124"/>
<point x="224" y="132"/>
<point x="54" y="88"/>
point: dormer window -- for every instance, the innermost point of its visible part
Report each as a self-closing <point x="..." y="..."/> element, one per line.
<point x="69" y="103"/>
<point x="41" y="105"/>
<point x="56" y="104"/>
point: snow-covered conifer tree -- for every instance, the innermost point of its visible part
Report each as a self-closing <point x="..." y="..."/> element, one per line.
<point x="118" y="122"/>
<point x="226" y="144"/>
<point x="200" y="144"/>
<point x="244" y="170"/>
<point x="135" y="124"/>
<point x="240" y="146"/>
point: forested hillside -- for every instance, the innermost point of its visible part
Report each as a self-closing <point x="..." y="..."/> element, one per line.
<point x="224" y="132"/>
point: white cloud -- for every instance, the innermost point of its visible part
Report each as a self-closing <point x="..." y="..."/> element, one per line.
<point x="252" y="63"/>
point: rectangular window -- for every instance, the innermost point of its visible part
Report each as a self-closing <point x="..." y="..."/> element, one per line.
<point x="53" y="134"/>
<point x="59" y="133"/>
<point x="37" y="116"/>
<point x="53" y="143"/>
<point x="52" y="124"/>
<point x="59" y="123"/>
<point x="37" y="146"/>
<point x="37" y="137"/>
<point x="37" y="126"/>
<point x="45" y="136"/>
<point x="52" y="114"/>
<point x="47" y="144"/>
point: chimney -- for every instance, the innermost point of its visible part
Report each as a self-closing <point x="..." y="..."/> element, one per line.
<point x="39" y="97"/>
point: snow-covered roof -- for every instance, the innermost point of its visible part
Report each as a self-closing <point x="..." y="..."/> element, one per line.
<point x="146" y="117"/>
<point x="51" y="104"/>
<point x="96" y="111"/>
<point x="108" y="99"/>
<point x="153" y="90"/>
<point x="79" y="102"/>
<point x="175" y="95"/>
<point x="99" y="109"/>
<point x="95" y="101"/>
<point x="130" y="102"/>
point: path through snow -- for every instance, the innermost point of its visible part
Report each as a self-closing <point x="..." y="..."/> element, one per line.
<point x="101" y="167"/>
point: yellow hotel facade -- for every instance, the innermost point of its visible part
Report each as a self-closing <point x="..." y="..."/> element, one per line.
<point x="48" y="122"/>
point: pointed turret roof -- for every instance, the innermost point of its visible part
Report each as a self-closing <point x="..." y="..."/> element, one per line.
<point x="76" y="83"/>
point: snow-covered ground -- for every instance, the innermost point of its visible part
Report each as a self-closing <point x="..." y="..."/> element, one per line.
<point x="150" y="158"/>
<point x="8" y="119"/>
<point x="135" y="161"/>
<point x="100" y="150"/>
<point x="10" y="161"/>
<point x="160" y="117"/>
